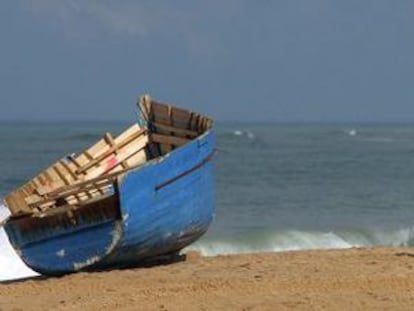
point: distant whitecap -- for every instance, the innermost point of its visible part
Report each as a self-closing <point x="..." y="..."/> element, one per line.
<point x="352" y="132"/>
<point x="247" y="134"/>
<point x="250" y="135"/>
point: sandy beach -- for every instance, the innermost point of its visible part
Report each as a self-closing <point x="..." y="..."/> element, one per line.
<point x="352" y="279"/>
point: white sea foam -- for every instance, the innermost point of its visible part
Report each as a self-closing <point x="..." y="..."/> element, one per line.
<point x="245" y="133"/>
<point x="11" y="266"/>
<point x="291" y="240"/>
<point x="300" y="240"/>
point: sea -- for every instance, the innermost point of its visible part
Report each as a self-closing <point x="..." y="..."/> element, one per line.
<point x="279" y="187"/>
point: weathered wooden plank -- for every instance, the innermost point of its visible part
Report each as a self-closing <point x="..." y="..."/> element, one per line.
<point x="71" y="170"/>
<point x="16" y="203"/>
<point x="97" y="180"/>
<point x="54" y="181"/>
<point x="59" y="169"/>
<point x="137" y="159"/>
<point x="109" y="139"/>
<point x="181" y="115"/>
<point x="68" y="169"/>
<point x="42" y="179"/>
<point x="33" y="199"/>
<point x="145" y="107"/>
<point x="181" y="132"/>
<point x="170" y="140"/>
<point x="113" y="161"/>
<point x="190" y="120"/>
<point x="98" y="150"/>
<point x="160" y="114"/>
<point x="73" y="190"/>
<point x="115" y="147"/>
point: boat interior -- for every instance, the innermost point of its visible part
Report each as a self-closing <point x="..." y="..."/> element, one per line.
<point x="87" y="182"/>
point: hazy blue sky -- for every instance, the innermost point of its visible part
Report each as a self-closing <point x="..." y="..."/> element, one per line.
<point x="284" y="60"/>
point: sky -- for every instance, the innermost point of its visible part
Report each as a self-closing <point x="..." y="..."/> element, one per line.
<point x="263" y="60"/>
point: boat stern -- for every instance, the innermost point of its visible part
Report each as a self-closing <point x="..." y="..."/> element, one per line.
<point x="65" y="243"/>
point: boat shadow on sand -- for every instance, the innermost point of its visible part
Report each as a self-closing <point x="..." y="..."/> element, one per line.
<point x="159" y="261"/>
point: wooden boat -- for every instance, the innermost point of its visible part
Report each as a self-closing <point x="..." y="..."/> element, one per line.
<point x="146" y="193"/>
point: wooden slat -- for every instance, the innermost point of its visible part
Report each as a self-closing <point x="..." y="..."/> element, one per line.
<point x="190" y="120"/>
<point x="159" y="110"/>
<point x="171" y="140"/>
<point x="47" y="176"/>
<point x="109" y="152"/>
<point x="16" y="203"/>
<point x="74" y="164"/>
<point x="54" y="181"/>
<point x="170" y="115"/>
<point x="160" y="114"/>
<point x="179" y="131"/>
<point x="145" y="107"/>
<point x="110" y="140"/>
<point x="181" y="115"/>
<point x="71" y="170"/>
<point x="36" y="181"/>
<point x="24" y="191"/>
<point x="99" y="147"/>
<point x="168" y="148"/>
<point x="68" y="169"/>
<point x="88" y="155"/>
<point x="42" y="179"/>
<point x="73" y="191"/>
<point x="103" y="148"/>
<point x="31" y="186"/>
<point x="62" y="190"/>
<point x="113" y="161"/>
<point x="195" y="123"/>
<point x="51" y="199"/>
<point x="137" y="159"/>
<point x="62" y="176"/>
<point x="74" y="161"/>
<point x="33" y="199"/>
<point x="203" y="124"/>
<point x="60" y="171"/>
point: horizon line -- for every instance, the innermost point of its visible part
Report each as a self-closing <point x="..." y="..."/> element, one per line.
<point x="51" y="121"/>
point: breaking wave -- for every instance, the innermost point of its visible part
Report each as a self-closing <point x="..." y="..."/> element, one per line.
<point x="301" y="240"/>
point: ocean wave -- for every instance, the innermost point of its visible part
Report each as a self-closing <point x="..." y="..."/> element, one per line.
<point x="301" y="240"/>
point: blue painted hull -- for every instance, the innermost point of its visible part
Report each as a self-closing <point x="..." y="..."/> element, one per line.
<point x="163" y="207"/>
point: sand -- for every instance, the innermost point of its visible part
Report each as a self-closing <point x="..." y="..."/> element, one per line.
<point x="352" y="279"/>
